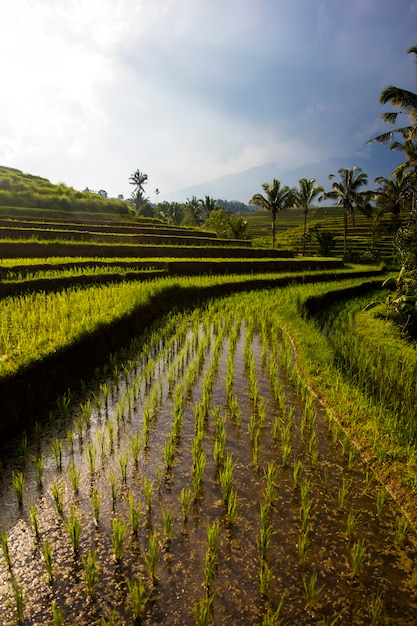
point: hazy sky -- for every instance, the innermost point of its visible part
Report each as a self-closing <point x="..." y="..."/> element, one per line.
<point x="188" y="90"/>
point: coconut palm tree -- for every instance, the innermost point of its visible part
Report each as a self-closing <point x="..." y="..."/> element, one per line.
<point x="347" y="193"/>
<point x="303" y="198"/>
<point x="392" y="195"/>
<point x="276" y="199"/>
<point x="138" y="179"/>
<point x="404" y="100"/>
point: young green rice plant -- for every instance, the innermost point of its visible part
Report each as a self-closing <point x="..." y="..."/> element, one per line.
<point x="123" y="464"/>
<point x="265" y="578"/>
<point x="203" y="610"/>
<point x="57" y="614"/>
<point x="63" y="403"/>
<point x="271" y="617"/>
<point x="305" y="513"/>
<point x="148" y="491"/>
<point x="18" y="484"/>
<point x="95" y="501"/>
<point x="39" y="463"/>
<point x="73" y="526"/>
<point x="134" y="514"/>
<point x="113" y="486"/>
<point x="357" y="557"/>
<point x="56" y="451"/>
<point x="213" y="533"/>
<point x="169" y="452"/>
<point x="22" y="448"/>
<point x="48" y="560"/>
<point x="58" y="498"/>
<point x="311" y="590"/>
<point x="91" y="454"/>
<point x="256" y="448"/>
<point x="185" y="499"/>
<point x="271" y="475"/>
<point x="135" y="447"/>
<point x="226" y="477"/>
<point x="218" y="451"/>
<point x="5" y="549"/>
<point x="198" y="473"/>
<point x="352" y="458"/>
<point x="90" y="572"/>
<point x="345" y="444"/>
<point x="401" y="528"/>
<point x="264" y="540"/>
<point x="117" y="538"/>
<point x="19" y="600"/>
<point x="210" y="565"/>
<point x="70" y="441"/>
<point x="137" y="597"/>
<point x="79" y="427"/>
<point x="34" y="521"/>
<point x="343" y="494"/>
<point x="167" y="520"/>
<point x="74" y="476"/>
<point x="110" y="434"/>
<point x="352" y="522"/>
<point x="302" y="546"/>
<point x="376" y="608"/>
<point x="381" y="497"/>
<point x="152" y="555"/>
<point x="286" y="454"/>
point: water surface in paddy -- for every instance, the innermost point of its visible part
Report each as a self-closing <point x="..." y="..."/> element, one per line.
<point x="263" y="425"/>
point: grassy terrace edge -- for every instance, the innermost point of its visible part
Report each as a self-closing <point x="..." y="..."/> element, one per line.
<point x="30" y="391"/>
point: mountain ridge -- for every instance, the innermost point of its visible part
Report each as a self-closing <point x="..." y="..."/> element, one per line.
<point x="241" y="186"/>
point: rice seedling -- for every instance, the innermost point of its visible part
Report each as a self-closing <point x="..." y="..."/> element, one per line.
<point x="48" y="560"/>
<point x="210" y="565"/>
<point x="376" y="608"/>
<point x="352" y="523"/>
<point x="305" y="513"/>
<point x="63" y="403"/>
<point x="113" y="486"/>
<point x="18" y="484"/>
<point x="264" y="540"/>
<point x="213" y="533"/>
<point x="137" y="597"/>
<point x="271" y="617"/>
<point x="5" y="549"/>
<point x="271" y="475"/>
<point x="311" y="590"/>
<point x="231" y="508"/>
<point x="169" y="452"/>
<point x="19" y="600"/>
<point x="203" y="610"/>
<point x="302" y="546"/>
<point x="226" y="477"/>
<point x="148" y="491"/>
<point x="135" y="447"/>
<point x="265" y="578"/>
<point x="57" y="496"/>
<point x="343" y="494"/>
<point x="22" y="448"/>
<point x="70" y="441"/>
<point x="91" y="454"/>
<point x="123" y="463"/>
<point x="34" y="521"/>
<point x="167" y="520"/>
<point x="256" y="448"/>
<point x="401" y="528"/>
<point x="95" y="501"/>
<point x="73" y="526"/>
<point x="297" y="471"/>
<point x="90" y="573"/>
<point x="381" y="497"/>
<point x="152" y="555"/>
<point x="357" y="556"/>
<point x="79" y="427"/>
<point x="117" y="538"/>
<point x="198" y="473"/>
<point x="74" y="474"/>
<point x="185" y="499"/>
<point x="39" y="462"/>
<point x="56" y="451"/>
<point x="134" y="514"/>
<point x="57" y="614"/>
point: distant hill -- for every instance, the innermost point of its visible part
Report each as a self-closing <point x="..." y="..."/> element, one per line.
<point x="375" y="160"/>
<point x="20" y="191"/>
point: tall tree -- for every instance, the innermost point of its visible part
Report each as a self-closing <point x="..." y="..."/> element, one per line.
<point x="303" y="198"/>
<point x="138" y="179"/>
<point x="346" y="192"/>
<point x="401" y="99"/>
<point x="207" y="206"/>
<point x="138" y="199"/>
<point x="392" y="195"/>
<point x="276" y="199"/>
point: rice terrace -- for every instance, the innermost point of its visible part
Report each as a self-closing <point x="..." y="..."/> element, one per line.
<point x="201" y="423"/>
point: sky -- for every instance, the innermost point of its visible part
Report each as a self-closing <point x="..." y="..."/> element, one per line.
<point x="189" y="90"/>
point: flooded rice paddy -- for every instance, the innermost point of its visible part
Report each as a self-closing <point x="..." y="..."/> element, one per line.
<point x="199" y="482"/>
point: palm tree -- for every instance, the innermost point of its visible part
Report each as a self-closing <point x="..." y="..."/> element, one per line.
<point x="404" y="100"/>
<point x="138" y="179"/>
<point x="304" y="197"/>
<point x="346" y="192"/>
<point x="276" y="199"/>
<point x="207" y="206"/>
<point x="392" y="195"/>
